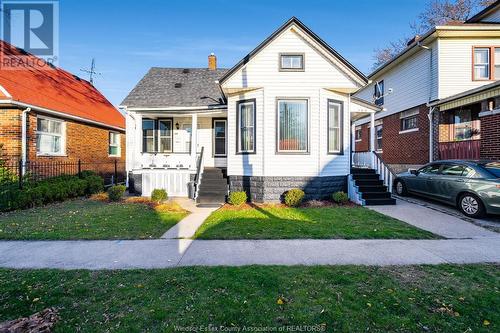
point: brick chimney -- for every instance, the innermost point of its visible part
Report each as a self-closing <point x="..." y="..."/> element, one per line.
<point x="212" y="62"/>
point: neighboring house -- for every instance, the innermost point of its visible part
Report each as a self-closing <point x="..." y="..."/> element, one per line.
<point x="50" y="115"/>
<point x="447" y="61"/>
<point x="279" y="119"/>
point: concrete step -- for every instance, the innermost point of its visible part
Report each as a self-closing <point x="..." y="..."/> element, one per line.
<point x="366" y="176"/>
<point x="380" y="202"/>
<point x="368" y="182"/>
<point x="215" y="182"/>
<point x="372" y="188"/>
<point x="357" y="171"/>
<point x="375" y="195"/>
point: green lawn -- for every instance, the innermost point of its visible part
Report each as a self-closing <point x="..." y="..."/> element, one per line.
<point x="276" y="222"/>
<point x="446" y="298"/>
<point x="87" y="219"/>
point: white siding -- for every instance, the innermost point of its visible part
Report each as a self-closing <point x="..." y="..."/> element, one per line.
<point x="263" y="72"/>
<point x="455" y="65"/>
<point x="413" y="82"/>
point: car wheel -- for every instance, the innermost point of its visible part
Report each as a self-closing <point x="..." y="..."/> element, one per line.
<point x="400" y="188"/>
<point x="470" y="205"/>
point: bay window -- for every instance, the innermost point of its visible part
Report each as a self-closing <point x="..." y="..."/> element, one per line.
<point x="335" y="112"/>
<point x="50" y="136"/>
<point x="245" y="123"/>
<point x="293" y="125"/>
<point x="114" y="144"/>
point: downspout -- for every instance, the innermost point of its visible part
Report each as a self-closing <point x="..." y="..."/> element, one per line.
<point x="430" y="115"/>
<point x="24" y="138"/>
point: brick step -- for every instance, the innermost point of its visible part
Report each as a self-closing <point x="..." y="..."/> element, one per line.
<point x="380" y="202"/>
<point x="375" y="195"/>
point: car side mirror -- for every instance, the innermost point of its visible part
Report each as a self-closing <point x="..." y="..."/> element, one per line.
<point x="413" y="172"/>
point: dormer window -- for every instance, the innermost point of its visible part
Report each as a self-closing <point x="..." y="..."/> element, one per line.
<point x="291" y="62"/>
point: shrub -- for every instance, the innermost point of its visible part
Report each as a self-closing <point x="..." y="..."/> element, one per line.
<point x="116" y="192"/>
<point x="158" y="195"/>
<point x="340" y="197"/>
<point x="237" y="198"/>
<point x="47" y="191"/>
<point x="294" y="197"/>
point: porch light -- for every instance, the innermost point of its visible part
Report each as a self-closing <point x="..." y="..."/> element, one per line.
<point x="177" y="126"/>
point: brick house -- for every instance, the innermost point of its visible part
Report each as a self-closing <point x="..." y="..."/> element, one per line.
<point x="50" y="115"/>
<point x="420" y="83"/>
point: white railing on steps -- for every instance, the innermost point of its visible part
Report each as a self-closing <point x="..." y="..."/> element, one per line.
<point x="373" y="160"/>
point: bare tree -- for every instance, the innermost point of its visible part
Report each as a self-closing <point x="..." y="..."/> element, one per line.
<point x="437" y="12"/>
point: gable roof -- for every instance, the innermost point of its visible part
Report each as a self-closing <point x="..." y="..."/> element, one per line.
<point x="177" y="87"/>
<point x="302" y="26"/>
<point x="485" y="12"/>
<point x="53" y="89"/>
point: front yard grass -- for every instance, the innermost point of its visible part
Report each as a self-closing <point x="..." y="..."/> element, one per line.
<point x="88" y="219"/>
<point x="444" y="298"/>
<point x="277" y="222"/>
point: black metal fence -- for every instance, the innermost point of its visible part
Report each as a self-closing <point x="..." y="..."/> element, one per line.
<point x="21" y="172"/>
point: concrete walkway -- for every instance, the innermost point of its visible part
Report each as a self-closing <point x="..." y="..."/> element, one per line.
<point x="438" y="223"/>
<point x="187" y="227"/>
<point x="471" y="244"/>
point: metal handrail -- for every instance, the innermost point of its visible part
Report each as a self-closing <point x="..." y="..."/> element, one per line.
<point x="198" y="173"/>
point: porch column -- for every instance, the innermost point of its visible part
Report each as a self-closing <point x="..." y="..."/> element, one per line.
<point x="194" y="137"/>
<point x="372" y="137"/>
<point x="353" y="137"/>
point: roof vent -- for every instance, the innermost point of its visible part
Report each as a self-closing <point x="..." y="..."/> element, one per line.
<point x="178" y="85"/>
<point x="185" y="70"/>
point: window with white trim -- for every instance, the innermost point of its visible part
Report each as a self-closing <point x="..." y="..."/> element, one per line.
<point x="409" y="120"/>
<point x="245" y="126"/>
<point x="481" y="63"/>
<point x="148" y="136"/>
<point x="358" y="134"/>
<point x="335" y="109"/>
<point x="165" y="135"/>
<point x="114" y="144"/>
<point x="292" y="62"/>
<point x="378" y="137"/>
<point x="50" y="136"/>
<point x="293" y="125"/>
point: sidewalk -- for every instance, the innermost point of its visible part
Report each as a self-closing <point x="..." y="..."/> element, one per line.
<point x="467" y="243"/>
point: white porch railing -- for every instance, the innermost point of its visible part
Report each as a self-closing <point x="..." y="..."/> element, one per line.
<point x="362" y="159"/>
<point x="199" y="171"/>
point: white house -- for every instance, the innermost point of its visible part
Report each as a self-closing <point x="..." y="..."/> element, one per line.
<point x="279" y="119"/>
<point x="447" y="61"/>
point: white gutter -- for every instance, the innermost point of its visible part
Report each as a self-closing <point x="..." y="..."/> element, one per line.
<point x="181" y="108"/>
<point x="24" y="137"/>
<point x="60" y="114"/>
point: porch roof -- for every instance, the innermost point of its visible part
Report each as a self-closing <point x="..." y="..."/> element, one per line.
<point x="468" y="97"/>
<point x="177" y="88"/>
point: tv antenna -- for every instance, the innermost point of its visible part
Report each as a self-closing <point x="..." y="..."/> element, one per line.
<point x="91" y="71"/>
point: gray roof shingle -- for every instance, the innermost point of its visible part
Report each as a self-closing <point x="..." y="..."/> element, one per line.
<point x="160" y="88"/>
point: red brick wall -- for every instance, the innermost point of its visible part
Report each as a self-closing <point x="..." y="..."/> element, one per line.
<point x="86" y="142"/>
<point x="10" y="133"/>
<point x="364" y="144"/>
<point x="490" y="137"/>
<point x="404" y="148"/>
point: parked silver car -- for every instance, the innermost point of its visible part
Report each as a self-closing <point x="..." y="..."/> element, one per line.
<point x="472" y="186"/>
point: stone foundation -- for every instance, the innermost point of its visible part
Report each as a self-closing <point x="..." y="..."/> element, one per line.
<point x="271" y="189"/>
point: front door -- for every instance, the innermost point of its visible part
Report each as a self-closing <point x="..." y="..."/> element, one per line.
<point x="219" y="135"/>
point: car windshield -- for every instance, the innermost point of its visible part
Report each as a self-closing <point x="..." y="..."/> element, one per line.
<point x="493" y="168"/>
